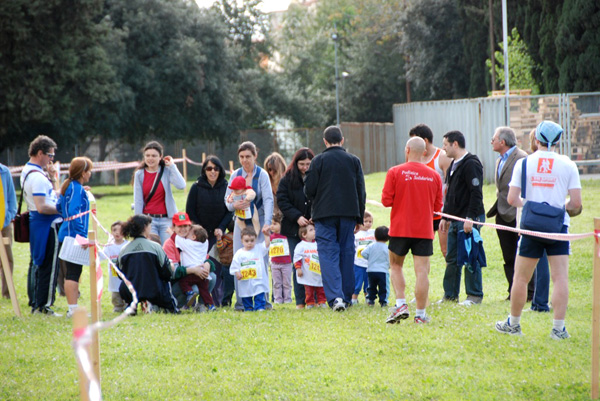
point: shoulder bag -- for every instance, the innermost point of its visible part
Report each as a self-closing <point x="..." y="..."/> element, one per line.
<point x="21" y="220"/>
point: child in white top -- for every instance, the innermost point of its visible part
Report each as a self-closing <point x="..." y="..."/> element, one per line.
<point x="363" y="238"/>
<point x="239" y="192"/>
<point x="248" y="267"/>
<point x="194" y="250"/>
<point x="379" y="264"/>
<point x="308" y="268"/>
<point x="112" y="251"/>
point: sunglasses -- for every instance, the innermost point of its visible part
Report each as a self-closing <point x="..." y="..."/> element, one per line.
<point x="209" y="168"/>
<point x="51" y="155"/>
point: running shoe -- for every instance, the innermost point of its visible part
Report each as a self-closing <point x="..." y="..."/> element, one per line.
<point x="399" y="313"/>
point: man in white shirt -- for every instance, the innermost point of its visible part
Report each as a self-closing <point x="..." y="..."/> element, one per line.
<point x="550" y="177"/>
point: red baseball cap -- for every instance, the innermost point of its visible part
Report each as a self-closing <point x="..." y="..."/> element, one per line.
<point x="239" y="182"/>
<point x="181" y="219"/>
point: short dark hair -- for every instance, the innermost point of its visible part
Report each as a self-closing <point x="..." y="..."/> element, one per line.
<point x="43" y="143"/>
<point x="249" y="231"/>
<point x="303" y="230"/>
<point x="217" y="162"/>
<point x="199" y="232"/>
<point x="456" y="136"/>
<point x="135" y="225"/>
<point x="422" y="131"/>
<point x="382" y="233"/>
<point x="277" y="217"/>
<point x="117" y="223"/>
<point x="333" y="135"/>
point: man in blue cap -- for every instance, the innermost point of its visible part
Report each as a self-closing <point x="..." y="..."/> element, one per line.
<point x="549" y="178"/>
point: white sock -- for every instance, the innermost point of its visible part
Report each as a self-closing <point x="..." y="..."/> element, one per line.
<point x="512" y="320"/>
<point x="559" y="324"/>
<point x="400" y="302"/>
<point x="420" y="312"/>
<point x="72" y="307"/>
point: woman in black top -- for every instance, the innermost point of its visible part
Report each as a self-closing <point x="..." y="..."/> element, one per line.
<point x="295" y="208"/>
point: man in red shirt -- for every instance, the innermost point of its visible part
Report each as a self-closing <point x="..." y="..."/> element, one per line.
<point x="414" y="191"/>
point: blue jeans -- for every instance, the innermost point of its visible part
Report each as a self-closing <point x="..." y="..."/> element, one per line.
<point x="159" y="227"/>
<point x="473" y="282"/>
<point x="259" y="302"/>
<point x="361" y="280"/>
<point x="542" y="285"/>
<point x="335" y="241"/>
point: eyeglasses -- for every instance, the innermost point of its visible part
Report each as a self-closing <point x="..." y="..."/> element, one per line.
<point x="50" y="155"/>
<point x="210" y="168"/>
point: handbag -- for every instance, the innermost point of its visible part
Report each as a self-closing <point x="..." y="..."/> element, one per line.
<point x="71" y="251"/>
<point x="21" y="220"/>
<point x="540" y="216"/>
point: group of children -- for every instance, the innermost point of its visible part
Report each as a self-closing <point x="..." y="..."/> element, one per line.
<point x="188" y="246"/>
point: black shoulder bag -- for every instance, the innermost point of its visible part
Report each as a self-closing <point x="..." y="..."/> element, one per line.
<point x="155" y="185"/>
<point x="21" y="220"/>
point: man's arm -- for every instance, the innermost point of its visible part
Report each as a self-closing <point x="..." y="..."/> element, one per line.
<point x="42" y="207"/>
<point x="388" y="193"/>
<point x="360" y="190"/>
<point x="311" y="182"/>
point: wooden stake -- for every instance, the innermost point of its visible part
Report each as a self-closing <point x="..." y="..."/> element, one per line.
<point x="8" y="275"/>
<point x="596" y="315"/>
<point x="116" y="172"/>
<point x="184" y="156"/>
<point x="230" y="167"/>
<point x="95" y="305"/>
<point x="203" y="157"/>
<point x="80" y="322"/>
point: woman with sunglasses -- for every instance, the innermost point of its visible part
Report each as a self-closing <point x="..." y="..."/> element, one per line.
<point x="205" y="206"/>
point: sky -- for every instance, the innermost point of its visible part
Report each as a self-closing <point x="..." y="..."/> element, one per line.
<point x="266" y="6"/>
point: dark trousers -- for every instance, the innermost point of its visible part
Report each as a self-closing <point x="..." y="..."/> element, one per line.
<point x="542" y="285"/>
<point x="228" y="286"/>
<point x="41" y="280"/>
<point x="377" y="286"/>
<point x="186" y="283"/>
<point x="299" y="292"/>
<point x="335" y="240"/>
<point x="508" y="244"/>
<point x="164" y="299"/>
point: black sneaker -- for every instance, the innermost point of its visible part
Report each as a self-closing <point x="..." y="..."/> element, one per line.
<point x="45" y="311"/>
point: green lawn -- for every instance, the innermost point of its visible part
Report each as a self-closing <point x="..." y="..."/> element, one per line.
<point x="315" y="354"/>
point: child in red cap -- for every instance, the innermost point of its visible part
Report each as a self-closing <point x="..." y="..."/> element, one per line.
<point x="247" y="217"/>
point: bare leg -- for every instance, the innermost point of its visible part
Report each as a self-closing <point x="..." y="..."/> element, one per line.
<point x="559" y="271"/>
<point x="524" y="268"/>
<point x="72" y="291"/>
<point x="396" y="263"/>
<point x="422" y="282"/>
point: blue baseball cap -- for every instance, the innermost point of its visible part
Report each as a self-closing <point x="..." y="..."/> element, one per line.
<point x="548" y="132"/>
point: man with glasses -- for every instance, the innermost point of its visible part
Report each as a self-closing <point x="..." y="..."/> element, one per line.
<point x="44" y="221"/>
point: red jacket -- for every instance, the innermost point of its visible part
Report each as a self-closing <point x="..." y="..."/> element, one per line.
<point x="414" y="191"/>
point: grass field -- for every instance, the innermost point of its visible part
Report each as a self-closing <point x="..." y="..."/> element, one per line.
<point x="316" y="354"/>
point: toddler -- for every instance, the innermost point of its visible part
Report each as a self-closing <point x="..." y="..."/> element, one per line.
<point x="363" y="238"/>
<point x="308" y="269"/>
<point x="112" y="251"/>
<point x="281" y="263"/>
<point x="194" y="250"/>
<point x="239" y="192"/>
<point x="378" y="258"/>
<point x="225" y="249"/>
<point x="248" y="267"/>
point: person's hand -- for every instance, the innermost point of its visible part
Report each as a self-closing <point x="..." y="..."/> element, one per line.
<point x="302" y="221"/>
<point x="356" y="228"/>
<point x="87" y="188"/>
<point x="299" y="272"/>
<point x="238" y="275"/>
<point x="468" y="227"/>
<point x="51" y="170"/>
<point x="218" y="233"/>
<point x="241" y="204"/>
<point x="168" y="161"/>
<point x="266" y="229"/>
<point x="170" y="231"/>
<point x="444" y="226"/>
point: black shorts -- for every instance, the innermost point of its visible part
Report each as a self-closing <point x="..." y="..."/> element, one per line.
<point x="73" y="271"/>
<point x="418" y="246"/>
<point x="436" y="224"/>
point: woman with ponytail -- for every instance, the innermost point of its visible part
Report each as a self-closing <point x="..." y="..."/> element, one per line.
<point x="74" y="201"/>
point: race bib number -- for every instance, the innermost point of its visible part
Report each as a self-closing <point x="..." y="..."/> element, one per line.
<point x="113" y="272"/>
<point x="279" y="247"/>
<point x="361" y="247"/>
<point x="314" y="265"/>
<point x="249" y="270"/>
<point x="244" y="214"/>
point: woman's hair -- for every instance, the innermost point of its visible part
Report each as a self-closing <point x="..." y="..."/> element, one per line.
<point x="152" y="145"/>
<point x="276" y="163"/>
<point x="532" y="141"/>
<point x="79" y="165"/>
<point x="248" y="146"/>
<point x="292" y="169"/>
<point x="217" y="162"/>
<point x="135" y="225"/>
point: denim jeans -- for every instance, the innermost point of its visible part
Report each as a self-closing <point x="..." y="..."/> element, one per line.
<point x="361" y="280"/>
<point x="473" y="283"/>
<point x="159" y="227"/>
<point x="335" y="241"/>
<point x="542" y="285"/>
<point x="258" y="304"/>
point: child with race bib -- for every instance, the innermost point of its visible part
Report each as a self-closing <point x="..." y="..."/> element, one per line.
<point x="281" y="263"/>
<point x="363" y="238"/>
<point x="112" y="251"/>
<point x="240" y="192"/>
<point x="308" y="268"/>
<point x="248" y="267"/>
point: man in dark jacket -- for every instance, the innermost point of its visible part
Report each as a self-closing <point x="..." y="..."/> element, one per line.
<point x="464" y="198"/>
<point x="336" y="186"/>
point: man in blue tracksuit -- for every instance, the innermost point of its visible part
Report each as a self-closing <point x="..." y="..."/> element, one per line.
<point x="336" y="187"/>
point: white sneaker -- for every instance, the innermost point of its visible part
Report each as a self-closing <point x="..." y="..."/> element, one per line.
<point x="559" y="334"/>
<point x="339" y="305"/>
<point x="355" y="302"/>
<point x="467" y="302"/>
<point x="505" y="328"/>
